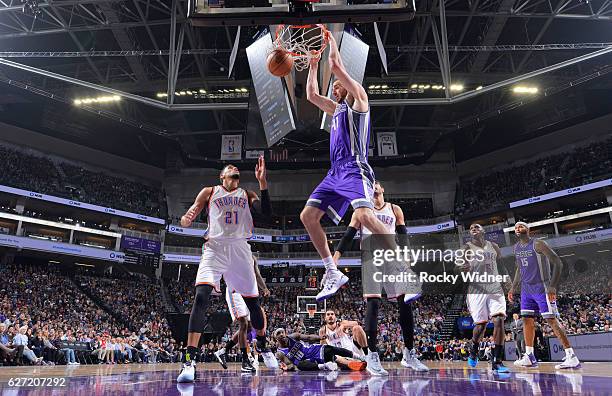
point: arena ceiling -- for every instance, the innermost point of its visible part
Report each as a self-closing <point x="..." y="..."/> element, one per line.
<point x="126" y="45"/>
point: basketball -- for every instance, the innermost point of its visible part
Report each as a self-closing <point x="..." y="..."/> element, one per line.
<point x="280" y="62"/>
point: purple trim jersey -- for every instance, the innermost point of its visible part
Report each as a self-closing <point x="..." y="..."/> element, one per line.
<point x="350" y="181"/>
<point x="298" y="351"/>
<point x="535" y="268"/>
<point x="350" y="134"/>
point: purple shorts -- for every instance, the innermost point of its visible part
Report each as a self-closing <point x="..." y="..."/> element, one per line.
<point x="531" y="304"/>
<point x="347" y="183"/>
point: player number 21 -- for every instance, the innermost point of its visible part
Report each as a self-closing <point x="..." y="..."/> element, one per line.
<point x="229" y="216"/>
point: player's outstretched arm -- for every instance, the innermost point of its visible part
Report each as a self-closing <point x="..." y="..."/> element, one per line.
<point x="337" y="68"/>
<point x="262" y="206"/>
<point x="312" y="89"/>
<point x="200" y="203"/>
<point x="307" y="337"/>
<point x="543" y="248"/>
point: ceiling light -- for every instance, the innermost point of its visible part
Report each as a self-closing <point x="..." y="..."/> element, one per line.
<point x="478" y="88"/>
<point x="456" y="87"/>
<point x="523" y="89"/>
<point x="414" y="86"/>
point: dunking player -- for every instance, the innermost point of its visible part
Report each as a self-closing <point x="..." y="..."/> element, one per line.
<point x="485" y="300"/>
<point x="350" y="179"/>
<point x="335" y="333"/>
<point x="538" y="293"/>
<point x="392" y="217"/>
<point x="293" y="353"/>
<point x="240" y="313"/>
<point x="227" y="253"/>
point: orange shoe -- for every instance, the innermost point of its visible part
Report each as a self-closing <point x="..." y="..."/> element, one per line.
<point x="357" y="365"/>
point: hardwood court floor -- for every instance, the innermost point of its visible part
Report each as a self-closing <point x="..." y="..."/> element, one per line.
<point x="452" y="378"/>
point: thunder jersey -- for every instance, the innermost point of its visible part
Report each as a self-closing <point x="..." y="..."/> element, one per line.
<point x="341" y="340"/>
<point x="298" y="351"/>
<point x="229" y="214"/>
<point x="535" y="268"/>
<point x="386" y="216"/>
<point x="349" y="134"/>
<point x="488" y="266"/>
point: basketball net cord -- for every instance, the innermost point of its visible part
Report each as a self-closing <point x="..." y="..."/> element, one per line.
<point x="302" y="42"/>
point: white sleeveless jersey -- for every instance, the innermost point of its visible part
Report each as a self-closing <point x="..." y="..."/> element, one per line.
<point x="488" y="265"/>
<point x="341" y="340"/>
<point x="386" y="216"/>
<point x="229" y="214"/>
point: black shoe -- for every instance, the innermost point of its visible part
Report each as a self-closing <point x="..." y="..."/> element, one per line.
<point x="247" y="367"/>
<point x="499" y="367"/>
<point x="221" y="358"/>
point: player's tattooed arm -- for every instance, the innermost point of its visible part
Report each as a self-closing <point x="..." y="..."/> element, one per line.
<point x="353" y="87"/>
<point x="200" y="203"/>
<point x="542" y="247"/>
<point x="284" y="363"/>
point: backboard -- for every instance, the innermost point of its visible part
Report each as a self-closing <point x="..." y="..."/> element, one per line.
<point x="296" y="12"/>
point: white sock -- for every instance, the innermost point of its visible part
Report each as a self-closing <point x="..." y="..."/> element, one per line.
<point x="321" y="366"/>
<point x="529" y="350"/>
<point x="569" y="351"/>
<point x="329" y="263"/>
<point x="221" y="351"/>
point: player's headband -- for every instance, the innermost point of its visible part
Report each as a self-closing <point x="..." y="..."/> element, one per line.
<point x="277" y="332"/>
<point x="522" y="223"/>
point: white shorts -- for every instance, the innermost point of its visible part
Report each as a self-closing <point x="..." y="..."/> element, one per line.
<point x="483" y="306"/>
<point x="236" y="305"/>
<point x="350" y="345"/>
<point x="232" y="260"/>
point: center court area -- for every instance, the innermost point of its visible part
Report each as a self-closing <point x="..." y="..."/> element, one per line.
<point x="444" y="378"/>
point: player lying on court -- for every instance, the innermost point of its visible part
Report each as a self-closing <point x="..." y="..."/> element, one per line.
<point x="485" y="301"/>
<point x="293" y="353"/>
<point x="392" y="217"/>
<point x="241" y="315"/>
<point x="350" y="179"/>
<point x="336" y="333"/>
<point x="227" y="253"/>
<point x="538" y="293"/>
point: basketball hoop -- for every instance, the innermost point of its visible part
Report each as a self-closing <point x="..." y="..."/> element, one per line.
<point x="312" y="310"/>
<point x="302" y="42"/>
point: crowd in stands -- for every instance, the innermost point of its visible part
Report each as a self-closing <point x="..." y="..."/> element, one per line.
<point x="37" y="173"/>
<point x="46" y="319"/>
<point x="580" y="166"/>
<point x="50" y="317"/>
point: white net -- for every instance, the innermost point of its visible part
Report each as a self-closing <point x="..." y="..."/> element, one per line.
<point x="302" y="42"/>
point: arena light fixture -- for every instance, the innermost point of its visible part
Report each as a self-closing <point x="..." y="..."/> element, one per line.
<point x="478" y="88"/>
<point x="414" y="86"/>
<point x="456" y="87"/>
<point x="525" y="90"/>
<point x="99" y="99"/>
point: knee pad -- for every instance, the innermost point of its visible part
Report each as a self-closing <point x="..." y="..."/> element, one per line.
<point x="198" y="311"/>
<point x="257" y="318"/>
